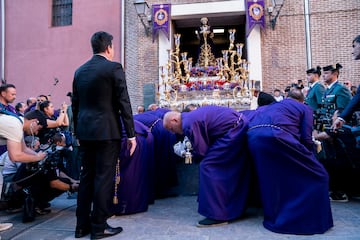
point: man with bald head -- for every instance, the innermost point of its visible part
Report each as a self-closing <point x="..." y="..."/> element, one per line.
<point x="217" y="135"/>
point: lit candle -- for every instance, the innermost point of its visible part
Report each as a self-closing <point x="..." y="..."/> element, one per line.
<point x="232" y="35"/>
<point x="239" y="48"/>
<point x="177" y="39"/>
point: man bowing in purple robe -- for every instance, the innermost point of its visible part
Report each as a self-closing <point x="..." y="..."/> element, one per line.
<point x="293" y="183"/>
<point x="218" y="137"/>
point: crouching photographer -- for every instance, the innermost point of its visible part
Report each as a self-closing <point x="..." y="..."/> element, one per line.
<point x="43" y="181"/>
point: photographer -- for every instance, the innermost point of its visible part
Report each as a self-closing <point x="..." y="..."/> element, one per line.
<point x="11" y="192"/>
<point x="53" y="123"/>
<point x="44" y="181"/>
<point x="12" y="129"/>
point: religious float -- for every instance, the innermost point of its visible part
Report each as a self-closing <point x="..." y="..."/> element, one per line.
<point x="220" y="81"/>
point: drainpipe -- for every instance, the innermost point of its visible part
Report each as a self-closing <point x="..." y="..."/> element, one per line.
<point x="307" y="33"/>
<point x="3" y="40"/>
<point x="122" y="41"/>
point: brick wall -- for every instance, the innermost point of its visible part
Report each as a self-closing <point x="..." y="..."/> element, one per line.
<point x="333" y="25"/>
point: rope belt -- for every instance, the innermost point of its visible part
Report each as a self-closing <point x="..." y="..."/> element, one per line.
<point x="238" y="120"/>
<point x="265" y="125"/>
<point x="153" y="125"/>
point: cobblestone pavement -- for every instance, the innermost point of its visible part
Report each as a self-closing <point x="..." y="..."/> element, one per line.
<point x="173" y="219"/>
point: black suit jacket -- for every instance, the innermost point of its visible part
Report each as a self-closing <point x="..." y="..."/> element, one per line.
<point x="354" y="105"/>
<point x="100" y="98"/>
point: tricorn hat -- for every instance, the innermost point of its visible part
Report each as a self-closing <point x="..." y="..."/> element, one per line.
<point x="316" y="70"/>
<point x="335" y="67"/>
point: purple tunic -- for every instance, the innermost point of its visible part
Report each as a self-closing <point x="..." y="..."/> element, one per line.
<point x="159" y="112"/>
<point x="218" y="136"/>
<point x="293" y="184"/>
<point x="135" y="190"/>
<point x="165" y="175"/>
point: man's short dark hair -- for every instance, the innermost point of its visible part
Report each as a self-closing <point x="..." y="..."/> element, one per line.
<point x="18" y="106"/>
<point x="296" y="94"/>
<point x="190" y="107"/>
<point x="5" y="86"/>
<point x="58" y="137"/>
<point x="36" y="114"/>
<point x="43" y="96"/>
<point x="100" y="41"/>
<point x="265" y="99"/>
<point x="357" y="39"/>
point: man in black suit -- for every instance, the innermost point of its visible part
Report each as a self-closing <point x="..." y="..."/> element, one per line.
<point x="354" y="104"/>
<point x="100" y="98"/>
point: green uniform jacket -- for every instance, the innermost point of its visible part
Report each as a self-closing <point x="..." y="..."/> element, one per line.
<point x="338" y="95"/>
<point x="315" y="95"/>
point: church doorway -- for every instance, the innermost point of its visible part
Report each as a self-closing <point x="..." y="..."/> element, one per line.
<point x="189" y="30"/>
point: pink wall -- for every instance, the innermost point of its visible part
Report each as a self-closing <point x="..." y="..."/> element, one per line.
<point x="36" y="53"/>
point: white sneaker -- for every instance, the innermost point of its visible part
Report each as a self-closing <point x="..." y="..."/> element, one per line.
<point x="5" y="226"/>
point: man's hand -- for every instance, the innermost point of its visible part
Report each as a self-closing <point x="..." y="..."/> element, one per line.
<point x="320" y="135"/>
<point x="64" y="107"/>
<point x="337" y="123"/>
<point x="132" y="145"/>
<point x="74" y="187"/>
<point x="41" y="155"/>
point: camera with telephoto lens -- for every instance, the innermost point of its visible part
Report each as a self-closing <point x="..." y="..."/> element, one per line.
<point x="50" y="162"/>
<point x="323" y="116"/>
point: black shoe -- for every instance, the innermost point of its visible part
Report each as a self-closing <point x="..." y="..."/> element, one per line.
<point x="107" y="232"/>
<point x="207" y="222"/>
<point x="338" y="197"/>
<point x="44" y="205"/>
<point x="14" y="209"/>
<point x="27" y="219"/>
<point x="81" y="232"/>
<point x="40" y="211"/>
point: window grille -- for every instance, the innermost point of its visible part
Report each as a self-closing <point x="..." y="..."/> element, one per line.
<point x="61" y="13"/>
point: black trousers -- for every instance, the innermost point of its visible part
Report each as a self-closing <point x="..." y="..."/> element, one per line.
<point x="96" y="182"/>
<point x="38" y="182"/>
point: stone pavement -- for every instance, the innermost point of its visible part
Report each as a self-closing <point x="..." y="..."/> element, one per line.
<point x="173" y="219"/>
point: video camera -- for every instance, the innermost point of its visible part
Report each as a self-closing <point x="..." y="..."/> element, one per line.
<point x="298" y="85"/>
<point x="50" y="162"/>
<point x="323" y="116"/>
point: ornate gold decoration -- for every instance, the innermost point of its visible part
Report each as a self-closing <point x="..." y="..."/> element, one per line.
<point x="224" y="82"/>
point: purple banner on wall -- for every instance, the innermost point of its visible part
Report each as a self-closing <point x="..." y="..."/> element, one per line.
<point x="255" y="14"/>
<point x="161" y="19"/>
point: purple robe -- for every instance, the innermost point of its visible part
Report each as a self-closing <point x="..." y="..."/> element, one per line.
<point x="165" y="175"/>
<point x="135" y="190"/>
<point x="293" y="184"/>
<point x="218" y="136"/>
<point x="159" y="112"/>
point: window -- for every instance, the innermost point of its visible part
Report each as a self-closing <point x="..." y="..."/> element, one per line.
<point x="61" y="13"/>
